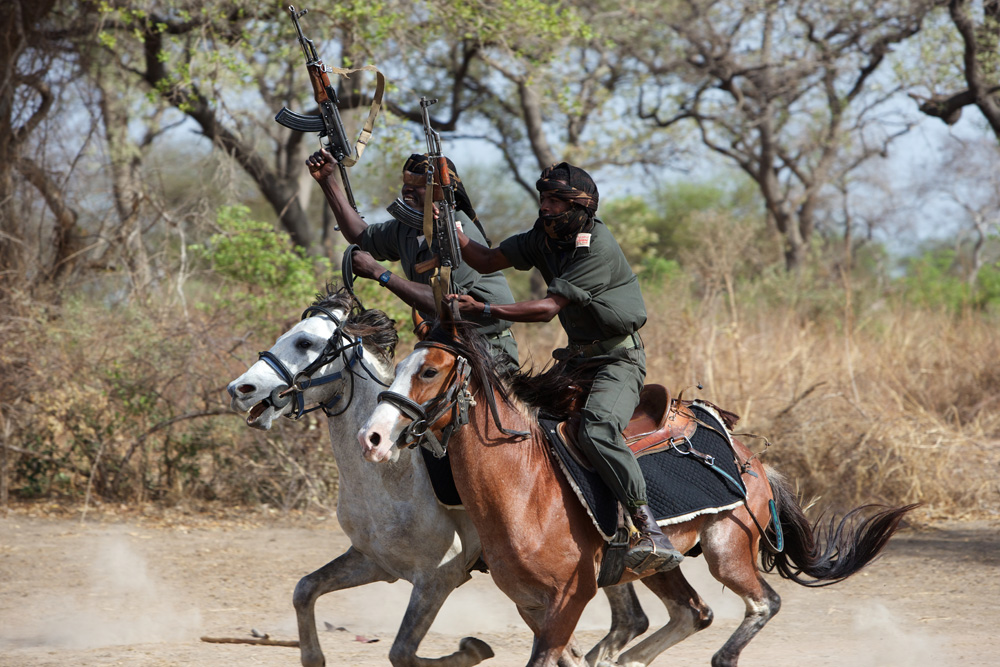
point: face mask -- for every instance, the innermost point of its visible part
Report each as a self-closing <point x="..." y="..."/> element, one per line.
<point x="557" y="226"/>
<point x="563" y="227"/>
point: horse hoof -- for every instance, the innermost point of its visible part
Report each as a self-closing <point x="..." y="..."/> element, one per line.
<point x="480" y="649"/>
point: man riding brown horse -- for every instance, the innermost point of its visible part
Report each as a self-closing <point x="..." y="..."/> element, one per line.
<point x="592" y="289"/>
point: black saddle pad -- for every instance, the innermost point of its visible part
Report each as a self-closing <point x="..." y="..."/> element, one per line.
<point x="592" y="491"/>
<point x="679" y="485"/>
<point x="441" y="479"/>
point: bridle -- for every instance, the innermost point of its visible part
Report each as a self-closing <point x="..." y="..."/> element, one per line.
<point x="455" y="398"/>
<point x="295" y="385"/>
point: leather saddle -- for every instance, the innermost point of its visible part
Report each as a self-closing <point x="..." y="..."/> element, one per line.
<point x="657" y="422"/>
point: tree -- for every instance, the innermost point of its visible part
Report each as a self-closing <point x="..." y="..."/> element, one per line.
<point x="793" y="92"/>
<point x="972" y="78"/>
<point x="29" y="93"/>
<point x="541" y="81"/>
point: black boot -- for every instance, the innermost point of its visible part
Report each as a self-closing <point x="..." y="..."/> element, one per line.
<point x="653" y="550"/>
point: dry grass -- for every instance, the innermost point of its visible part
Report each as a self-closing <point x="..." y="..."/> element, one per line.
<point x="890" y="405"/>
<point x="129" y="405"/>
<point x="893" y="406"/>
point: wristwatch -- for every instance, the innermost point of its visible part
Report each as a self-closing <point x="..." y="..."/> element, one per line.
<point x="384" y="278"/>
<point x="486" y="309"/>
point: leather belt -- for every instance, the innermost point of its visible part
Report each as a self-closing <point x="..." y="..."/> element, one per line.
<point x="626" y="342"/>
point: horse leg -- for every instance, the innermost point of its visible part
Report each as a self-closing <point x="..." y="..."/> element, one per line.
<point x="425" y="602"/>
<point x="761" y="606"/>
<point x="688" y="614"/>
<point x="350" y="569"/>
<point x="628" y="621"/>
<point x="554" y="644"/>
<point x="735" y="567"/>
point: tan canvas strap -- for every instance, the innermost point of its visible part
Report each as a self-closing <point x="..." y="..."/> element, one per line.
<point x="373" y="111"/>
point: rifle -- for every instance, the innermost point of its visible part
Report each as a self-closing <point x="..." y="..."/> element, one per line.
<point x="444" y="230"/>
<point x="328" y="123"/>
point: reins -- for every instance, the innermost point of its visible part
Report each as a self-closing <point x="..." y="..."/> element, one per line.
<point x="457" y="398"/>
<point x="297" y="384"/>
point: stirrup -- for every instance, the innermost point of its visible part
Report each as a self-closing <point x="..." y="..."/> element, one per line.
<point x="660" y="561"/>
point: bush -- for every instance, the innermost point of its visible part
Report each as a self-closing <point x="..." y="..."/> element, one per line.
<point x="258" y="265"/>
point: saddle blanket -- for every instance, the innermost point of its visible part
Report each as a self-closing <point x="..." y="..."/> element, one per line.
<point x="681" y="483"/>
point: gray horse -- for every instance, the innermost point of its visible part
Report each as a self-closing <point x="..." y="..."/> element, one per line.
<point x="338" y="359"/>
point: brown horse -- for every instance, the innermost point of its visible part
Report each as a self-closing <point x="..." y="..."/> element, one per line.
<point x="543" y="549"/>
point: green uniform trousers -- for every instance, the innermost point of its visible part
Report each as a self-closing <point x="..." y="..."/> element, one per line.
<point x="613" y="398"/>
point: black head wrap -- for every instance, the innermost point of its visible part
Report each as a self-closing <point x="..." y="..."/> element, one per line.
<point x="574" y="185"/>
<point x="415" y="173"/>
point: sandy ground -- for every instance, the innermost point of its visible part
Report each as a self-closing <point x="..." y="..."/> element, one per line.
<point x="128" y="589"/>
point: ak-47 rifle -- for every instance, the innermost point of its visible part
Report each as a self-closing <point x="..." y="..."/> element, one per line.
<point x="328" y="123"/>
<point x="439" y="188"/>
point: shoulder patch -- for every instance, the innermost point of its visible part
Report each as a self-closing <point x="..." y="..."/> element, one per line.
<point x="583" y="240"/>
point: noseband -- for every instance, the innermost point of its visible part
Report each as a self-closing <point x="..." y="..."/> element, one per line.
<point x="456" y="397"/>
<point x="295" y="385"/>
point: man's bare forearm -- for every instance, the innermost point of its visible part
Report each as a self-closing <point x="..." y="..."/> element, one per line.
<point x="350" y="222"/>
<point x="415" y="295"/>
<point x="481" y="258"/>
<point x="539" y="310"/>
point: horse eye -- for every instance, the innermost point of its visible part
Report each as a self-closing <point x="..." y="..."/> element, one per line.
<point x="304" y="344"/>
<point x="429" y="373"/>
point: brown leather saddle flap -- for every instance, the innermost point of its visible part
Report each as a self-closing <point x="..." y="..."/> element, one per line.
<point x="654" y="423"/>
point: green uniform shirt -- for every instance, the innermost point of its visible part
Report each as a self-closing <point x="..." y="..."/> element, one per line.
<point x="604" y="296"/>
<point x="393" y="241"/>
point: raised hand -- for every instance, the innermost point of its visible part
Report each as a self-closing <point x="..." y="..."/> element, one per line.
<point x="321" y="165"/>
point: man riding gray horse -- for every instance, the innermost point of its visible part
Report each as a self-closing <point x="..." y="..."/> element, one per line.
<point x="401" y="238"/>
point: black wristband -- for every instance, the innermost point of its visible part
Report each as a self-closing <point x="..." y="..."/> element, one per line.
<point x="384" y="278"/>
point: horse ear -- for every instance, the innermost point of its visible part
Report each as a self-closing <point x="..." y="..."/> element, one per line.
<point x="421" y="327"/>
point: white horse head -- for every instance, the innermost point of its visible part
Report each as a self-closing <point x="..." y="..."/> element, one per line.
<point x="312" y="366"/>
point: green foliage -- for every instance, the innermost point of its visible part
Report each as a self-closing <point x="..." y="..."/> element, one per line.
<point x="678" y="202"/>
<point x="262" y="265"/>
<point x="524" y="24"/>
<point x="630" y="219"/>
<point x="988" y="286"/>
<point x="658" y="271"/>
<point x="932" y="281"/>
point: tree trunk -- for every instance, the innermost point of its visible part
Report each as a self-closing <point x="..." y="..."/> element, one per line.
<point x="533" y="121"/>
<point x="125" y="158"/>
<point x="281" y="192"/>
<point x="12" y="40"/>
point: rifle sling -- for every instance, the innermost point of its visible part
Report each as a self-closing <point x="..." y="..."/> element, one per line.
<point x="373" y="111"/>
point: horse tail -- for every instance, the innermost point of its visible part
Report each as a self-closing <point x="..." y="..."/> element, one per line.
<point x="827" y="556"/>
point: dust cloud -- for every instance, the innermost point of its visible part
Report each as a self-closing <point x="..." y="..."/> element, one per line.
<point x="877" y="636"/>
<point x="111" y="598"/>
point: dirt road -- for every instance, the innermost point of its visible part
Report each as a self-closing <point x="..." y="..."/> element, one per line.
<point x="129" y="589"/>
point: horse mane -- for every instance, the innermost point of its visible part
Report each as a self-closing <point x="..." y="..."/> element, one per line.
<point x="377" y="328"/>
<point x="555" y="389"/>
<point x="547" y="391"/>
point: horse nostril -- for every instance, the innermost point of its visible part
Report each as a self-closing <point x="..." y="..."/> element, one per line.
<point x="374" y="439"/>
<point x="246" y="389"/>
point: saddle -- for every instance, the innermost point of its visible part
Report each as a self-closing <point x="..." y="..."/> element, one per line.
<point x="657" y="423"/>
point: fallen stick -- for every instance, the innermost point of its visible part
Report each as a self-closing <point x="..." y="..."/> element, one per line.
<point x="263" y="641"/>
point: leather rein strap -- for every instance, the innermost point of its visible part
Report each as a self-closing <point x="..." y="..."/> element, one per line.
<point x="456" y="398"/>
